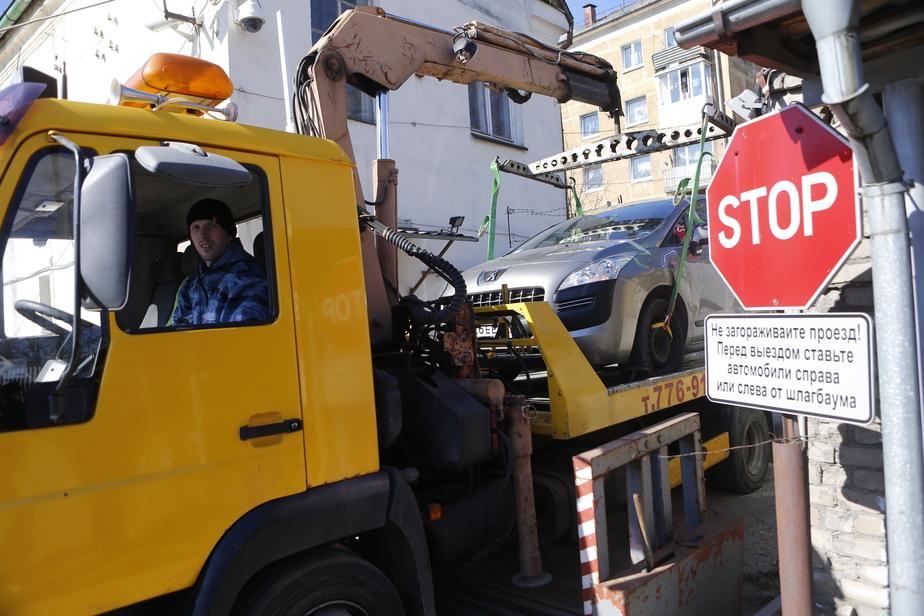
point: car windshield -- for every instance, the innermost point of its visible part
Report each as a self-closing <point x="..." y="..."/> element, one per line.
<point x="627" y="222"/>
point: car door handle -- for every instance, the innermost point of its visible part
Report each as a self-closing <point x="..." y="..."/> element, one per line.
<point x="283" y="427"/>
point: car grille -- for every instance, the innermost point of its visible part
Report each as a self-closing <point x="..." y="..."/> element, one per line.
<point x="531" y="294"/>
<point x="575" y="303"/>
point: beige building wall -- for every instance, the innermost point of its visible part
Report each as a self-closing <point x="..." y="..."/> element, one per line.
<point x="647" y="22"/>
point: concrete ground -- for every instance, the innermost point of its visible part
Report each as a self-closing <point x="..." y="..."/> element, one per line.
<point x="761" y="561"/>
<point x="485" y="588"/>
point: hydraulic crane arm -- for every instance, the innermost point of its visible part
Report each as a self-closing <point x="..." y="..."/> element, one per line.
<point x="376" y="52"/>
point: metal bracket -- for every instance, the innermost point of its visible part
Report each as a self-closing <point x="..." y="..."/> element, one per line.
<point x="521" y="169"/>
<point x="881" y="190"/>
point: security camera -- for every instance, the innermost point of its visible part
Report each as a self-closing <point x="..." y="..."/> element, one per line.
<point x="160" y="25"/>
<point x="250" y="16"/>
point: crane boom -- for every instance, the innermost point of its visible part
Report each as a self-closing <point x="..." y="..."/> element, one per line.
<point x="376" y="53"/>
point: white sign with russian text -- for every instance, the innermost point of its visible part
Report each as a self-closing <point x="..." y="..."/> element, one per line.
<point x="818" y="365"/>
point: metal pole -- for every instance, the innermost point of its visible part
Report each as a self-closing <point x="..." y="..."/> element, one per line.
<point x="834" y="26"/>
<point x="518" y="429"/>
<point x="793" y="527"/>
<point x="381" y="123"/>
<point x="385" y="181"/>
<point x="904" y="106"/>
<point x="284" y="65"/>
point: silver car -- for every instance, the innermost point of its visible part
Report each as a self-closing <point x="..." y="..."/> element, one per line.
<point x="609" y="275"/>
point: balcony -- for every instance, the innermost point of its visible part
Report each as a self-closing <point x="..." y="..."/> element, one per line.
<point x="673" y="56"/>
<point x="673" y="175"/>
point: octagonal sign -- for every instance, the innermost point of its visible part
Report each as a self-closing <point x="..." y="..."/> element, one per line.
<point x="783" y="209"/>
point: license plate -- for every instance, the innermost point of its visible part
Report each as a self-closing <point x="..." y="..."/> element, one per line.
<point x="486" y="331"/>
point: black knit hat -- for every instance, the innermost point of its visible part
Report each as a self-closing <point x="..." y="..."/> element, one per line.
<point x="214" y="210"/>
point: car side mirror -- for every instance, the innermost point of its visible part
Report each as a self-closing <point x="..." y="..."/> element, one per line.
<point x="107" y="232"/>
<point x="699" y="239"/>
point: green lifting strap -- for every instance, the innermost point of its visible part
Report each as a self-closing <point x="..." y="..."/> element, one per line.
<point x="577" y="203"/>
<point x="692" y="218"/>
<point x="492" y="217"/>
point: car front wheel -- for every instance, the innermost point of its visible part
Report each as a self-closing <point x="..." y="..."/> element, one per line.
<point x="656" y="350"/>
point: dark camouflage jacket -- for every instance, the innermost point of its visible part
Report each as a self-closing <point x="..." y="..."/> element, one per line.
<point x="233" y="289"/>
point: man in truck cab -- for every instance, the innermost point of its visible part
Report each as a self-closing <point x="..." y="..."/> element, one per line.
<point x="228" y="286"/>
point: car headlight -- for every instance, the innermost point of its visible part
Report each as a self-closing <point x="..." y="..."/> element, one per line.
<point x="604" y="269"/>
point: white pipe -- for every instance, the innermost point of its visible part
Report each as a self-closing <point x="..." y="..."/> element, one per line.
<point x="381" y="123"/>
<point x="834" y="26"/>
<point x="286" y="92"/>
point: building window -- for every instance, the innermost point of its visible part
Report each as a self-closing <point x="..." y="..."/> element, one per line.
<point x="593" y="178"/>
<point x="491" y="113"/>
<point x="636" y="111"/>
<point x="640" y="168"/>
<point x="669" y="39"/>
<point x="682" y="84"/>
<point x="632" y="56"/>
<point x="360" y="106"/>
<point x="687" y="155"/>
<point x="590" y="125"/>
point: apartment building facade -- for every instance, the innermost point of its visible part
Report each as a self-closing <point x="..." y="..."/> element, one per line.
<point x="662" y="87"/>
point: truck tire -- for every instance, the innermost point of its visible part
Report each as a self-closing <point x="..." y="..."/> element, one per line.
<point x="330" y="583"/>
<point x="745" y="469"/>
<point x="656" y="352"/>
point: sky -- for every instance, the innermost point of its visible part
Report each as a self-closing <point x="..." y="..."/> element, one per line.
<point x="577" y="7"/>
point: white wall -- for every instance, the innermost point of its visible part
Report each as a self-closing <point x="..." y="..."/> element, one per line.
<point x="444" y="170"/>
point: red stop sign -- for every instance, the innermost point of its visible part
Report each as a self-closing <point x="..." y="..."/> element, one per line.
<point x="783" y="210"/>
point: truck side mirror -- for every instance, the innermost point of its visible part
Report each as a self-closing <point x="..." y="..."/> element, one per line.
<point x="107" y="232"/>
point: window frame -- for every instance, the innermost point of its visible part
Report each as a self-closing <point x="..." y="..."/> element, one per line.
<point x="694" y="148"/>
<point x="644" y="101"/>
<point x="667" y="85"/>
<point x="633" y="177"/>
<point x="265" y="215"/>
<point x="588" y="116"/>
<point x="670" y="39"/>
<point x="635" y="46"/>
<point x="590" y="187"/>
<point x="360" y="106"/>
<point x="486" y="129"/>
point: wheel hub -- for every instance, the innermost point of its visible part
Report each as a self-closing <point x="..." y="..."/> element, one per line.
<point x="660" y="343"/>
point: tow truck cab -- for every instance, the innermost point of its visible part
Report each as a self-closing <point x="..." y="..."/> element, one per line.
<point x="120" y="486"/>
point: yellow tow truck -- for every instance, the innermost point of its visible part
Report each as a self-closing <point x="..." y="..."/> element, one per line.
<point x="320" y="462"/>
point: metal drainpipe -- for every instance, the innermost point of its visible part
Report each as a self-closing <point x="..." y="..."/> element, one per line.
<point x="14" y="12"/>
<point x="835" y="25"/>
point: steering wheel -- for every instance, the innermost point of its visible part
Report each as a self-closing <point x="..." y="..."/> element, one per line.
<point x="40" y="313"/>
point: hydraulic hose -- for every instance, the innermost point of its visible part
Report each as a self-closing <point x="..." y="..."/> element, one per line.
<point x="419" y="310"/>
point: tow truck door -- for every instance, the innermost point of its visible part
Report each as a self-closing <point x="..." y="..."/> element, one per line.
<point x="125" y="498"/>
